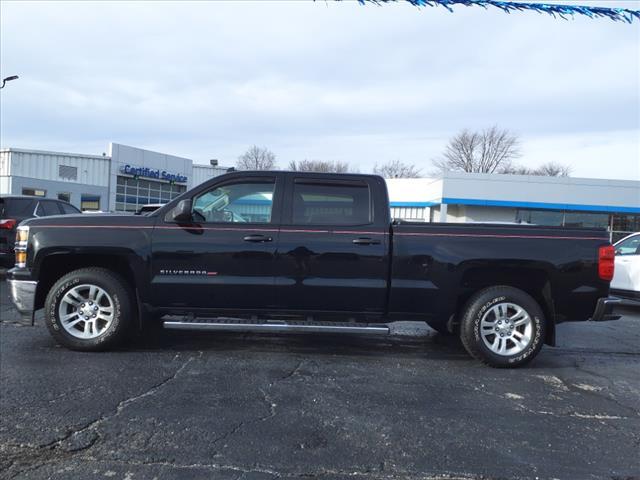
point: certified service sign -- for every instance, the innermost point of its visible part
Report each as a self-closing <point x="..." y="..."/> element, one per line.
<point x="153" y="173"/>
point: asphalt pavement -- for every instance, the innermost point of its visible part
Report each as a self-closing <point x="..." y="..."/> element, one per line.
<point x="411" y="405"/>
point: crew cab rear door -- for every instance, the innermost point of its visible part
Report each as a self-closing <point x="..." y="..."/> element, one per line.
<point x="333" y="248"/>
<point x="224" y="258"/>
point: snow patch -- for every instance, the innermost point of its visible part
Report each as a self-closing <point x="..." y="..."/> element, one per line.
<point x="513" y="396"/>
<point x="587" y="387"/>
<point x="553" y="381"/>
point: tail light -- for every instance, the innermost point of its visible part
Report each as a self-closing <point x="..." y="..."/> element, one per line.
<point x="7" y="223"/>
<point x="606" y="261"/>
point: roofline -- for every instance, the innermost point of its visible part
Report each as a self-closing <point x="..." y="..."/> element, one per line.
<point x="452" y="175"/>
<point x="51" y="152"/>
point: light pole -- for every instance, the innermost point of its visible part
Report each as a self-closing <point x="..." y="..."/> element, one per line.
<point x="8" y="79"/>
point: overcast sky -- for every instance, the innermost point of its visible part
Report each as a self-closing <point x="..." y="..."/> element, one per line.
<point x="324" y="80"/>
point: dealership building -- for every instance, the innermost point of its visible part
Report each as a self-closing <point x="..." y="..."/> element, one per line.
<point x="121" y="181"/>
<point x="126" y="178"/>
<point x="525" y="199"/>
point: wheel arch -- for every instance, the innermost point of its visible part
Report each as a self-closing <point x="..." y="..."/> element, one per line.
<point x="56" y="265"/>
<point x="534" y="281"/>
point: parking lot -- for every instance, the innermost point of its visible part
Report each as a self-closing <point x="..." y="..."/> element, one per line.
<point x="231" y="406"/>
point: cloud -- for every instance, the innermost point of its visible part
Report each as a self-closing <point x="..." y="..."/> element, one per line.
<point x="316" y="80"/>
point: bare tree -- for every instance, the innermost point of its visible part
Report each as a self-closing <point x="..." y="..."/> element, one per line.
<point x="550" y="169"/>
<point x="397" y="169"/>
<point x="488" y="151"/>
<point x="553" y="169"/>
<point x="319" y="166"/>
<point x="517" y="170"/>
<point x="257" y="158"/>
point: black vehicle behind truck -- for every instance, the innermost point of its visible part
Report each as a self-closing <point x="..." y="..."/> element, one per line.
<point x="16" y="208"/>
<point x="288" y="251"/>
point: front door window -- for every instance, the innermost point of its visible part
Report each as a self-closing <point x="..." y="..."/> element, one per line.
<point x="236" y="203"/>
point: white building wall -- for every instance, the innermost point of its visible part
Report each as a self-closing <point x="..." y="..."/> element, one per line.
<point x="122" y="155"/>
<point x="202" y="173"/>
<point x="36" y="169"/>
<point x="475" y="213"/>
<point x="421" y="190"/>
<point x="125" y="155"/>
<point x="5" y="179"/>
<point x="538" y="189"/>
<point x="455" y="214"/>
<point x="474" y="197"/>
<point x="5" y="185"/>
<point x="5" y="159"/>
<point x="53" y="188"/>
<point x="41" y="165"/>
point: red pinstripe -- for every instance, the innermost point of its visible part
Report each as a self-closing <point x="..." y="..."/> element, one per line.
<point x="482" y="235"/>
<point x="345" y="232"/>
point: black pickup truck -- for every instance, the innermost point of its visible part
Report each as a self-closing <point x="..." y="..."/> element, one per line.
<point x="305" y="252"/>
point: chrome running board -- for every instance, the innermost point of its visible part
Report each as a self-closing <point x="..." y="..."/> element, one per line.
<point x="270" y="326"/>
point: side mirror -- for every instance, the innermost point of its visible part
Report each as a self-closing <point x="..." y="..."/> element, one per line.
<point x="181" y="212"/>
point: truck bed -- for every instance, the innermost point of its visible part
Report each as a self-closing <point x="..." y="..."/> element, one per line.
<point x="437" y="265"/>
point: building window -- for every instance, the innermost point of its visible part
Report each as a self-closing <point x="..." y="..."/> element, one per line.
<point x="586" y="219"/>
<point x="412" y="214"/>
<point x="64" y="196"/>
<point x="623" y="225"/>
<point x="36" y="192"/>
<point x="132" y="193"/>
<point x="89" y="202"/>
<point x="67" y="172"/>
<point x="540" y="217"/>
<point x="618" y="225"/>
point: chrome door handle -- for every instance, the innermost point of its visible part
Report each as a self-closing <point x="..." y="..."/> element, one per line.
<point x="365" y="241"/>
<point x="257" y="238"/>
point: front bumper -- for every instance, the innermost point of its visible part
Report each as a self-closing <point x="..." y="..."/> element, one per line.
<point x="604" y="309"/>
<point x="23" y="295"/>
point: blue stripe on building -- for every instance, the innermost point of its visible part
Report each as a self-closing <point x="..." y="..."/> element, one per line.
<point x="541" y="205"/>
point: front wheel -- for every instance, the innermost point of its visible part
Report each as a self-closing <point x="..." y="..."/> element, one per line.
<point x="89" y="309"/>
<point x="502" y="326"/>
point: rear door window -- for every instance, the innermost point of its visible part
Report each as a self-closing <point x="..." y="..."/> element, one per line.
<point x="68" y="209"/>
<point x="50" y="208"/>
<point x="331" y="203"/>
<point x="16" y="207"/>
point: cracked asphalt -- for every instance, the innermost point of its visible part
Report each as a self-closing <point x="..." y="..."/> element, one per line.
<point x="411" y="405"/>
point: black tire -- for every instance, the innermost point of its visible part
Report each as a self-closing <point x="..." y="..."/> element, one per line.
<point x="119" y="295"/>
<point x="440" y="328"/>
<point x="479" y="305"/>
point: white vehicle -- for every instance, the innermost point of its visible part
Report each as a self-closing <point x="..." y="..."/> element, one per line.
<point x="626" y="277"/>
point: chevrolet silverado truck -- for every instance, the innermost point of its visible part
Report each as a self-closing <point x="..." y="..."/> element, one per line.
<point x="307" y="252"/>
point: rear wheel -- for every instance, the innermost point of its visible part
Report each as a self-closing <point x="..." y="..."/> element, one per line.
<point x="502" y="326"/>
<point x="89" y="309"/>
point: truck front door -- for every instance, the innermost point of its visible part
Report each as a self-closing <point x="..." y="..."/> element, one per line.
<point x="224" y="258"/>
